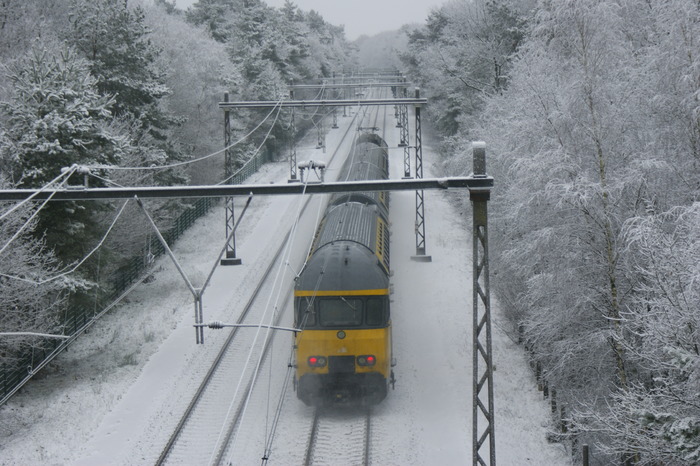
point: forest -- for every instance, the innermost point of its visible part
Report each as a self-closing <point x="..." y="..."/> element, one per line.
<point x="590" y="110"/>
<point x="129" y="89"/>
<point x="591" y="114"/>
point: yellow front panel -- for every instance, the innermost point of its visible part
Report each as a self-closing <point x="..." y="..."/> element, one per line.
<point x="356" y="342"/>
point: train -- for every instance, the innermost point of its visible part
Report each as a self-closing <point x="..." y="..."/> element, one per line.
<point x="343" y="351"/>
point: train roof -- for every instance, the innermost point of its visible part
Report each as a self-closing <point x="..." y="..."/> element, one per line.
<point x="352" y="240"/>
<point x="342" y="266"/>
<point x="350" y="221"/>
<point x="351" y="248"/>
<point x="365" y="162"/>
<point x="378" y="198"/>
<point x="372" y="138"/>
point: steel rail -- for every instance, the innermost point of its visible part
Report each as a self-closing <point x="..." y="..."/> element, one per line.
<point x="236" y="418"/>
<point x="368" y="436"/>
<point x="314" y="432"/>
<point x="311" y="444"/>
<point x="227" y="344"/>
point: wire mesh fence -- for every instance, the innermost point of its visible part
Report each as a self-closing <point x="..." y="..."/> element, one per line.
<point x="13" y="376"/>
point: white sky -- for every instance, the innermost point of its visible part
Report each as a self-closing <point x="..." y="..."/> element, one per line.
<point x="361" y="16"/>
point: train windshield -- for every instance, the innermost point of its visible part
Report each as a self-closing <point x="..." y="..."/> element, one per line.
<point x="343" y="312"/>
<point x="306" y="314"/>
<point x="375" y="311"/>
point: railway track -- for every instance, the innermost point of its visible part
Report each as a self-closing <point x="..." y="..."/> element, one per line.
<point x="210" y="422"/>
<point x="340" y="436"/>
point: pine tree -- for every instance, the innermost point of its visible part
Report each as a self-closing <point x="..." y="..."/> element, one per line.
<point x="32" y="294"/>
<point x="115" y="40"/>
<point x="55" y="119"/>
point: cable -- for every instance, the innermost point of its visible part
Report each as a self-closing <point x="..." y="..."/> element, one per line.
<point x="179" y="164"/>
<point x="257" y="338"/>
<point x="279" y="109"/>
<point x="66" y="272"/>
<point x="316" y="97"/>
<point x="278" y="414"/>
<point x="29" y="220"/>
<point x="285" y="258"/>
<point x="66" y="173"/>
<point x="34" y="334"/>
<point x="107" y="181"/>
<point x="290" y="365"/>
<point x="266" y="316"/>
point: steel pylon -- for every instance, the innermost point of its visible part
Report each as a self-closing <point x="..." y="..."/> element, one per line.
<point x="483" y="438"/>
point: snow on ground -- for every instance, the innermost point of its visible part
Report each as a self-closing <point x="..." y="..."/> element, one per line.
<point x="105" y="399"/>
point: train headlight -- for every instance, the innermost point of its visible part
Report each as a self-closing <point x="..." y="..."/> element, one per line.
<point x="317" y="361"/>
<point x="366" y="360"/>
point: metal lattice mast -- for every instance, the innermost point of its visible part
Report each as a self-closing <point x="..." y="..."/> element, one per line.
<point x="403" y="142"/>
<point x="230" y="257"/>
<point x="292" y="144"/>
<point x="345" y="96"/>
<point x="406" y="149"/>
<point x="483" y="438"/>
<point x="319" y="127"/>
<point x="420" y="201"/>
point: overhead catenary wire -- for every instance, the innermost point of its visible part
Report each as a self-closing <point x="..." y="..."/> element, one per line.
<point x="270" y="430"/>
<point x="268" y="334"/>
<point x="264" y="318"/>
<point x="238" y="401"/>
<point x="29" y="220"/>
<point x="107" y="181"/>
<point x="256" y="150"/>
<point x="49" y="184"/>
<point x="188" y="162"/>
<point x="270" y="316"/>
<point x="316" y="97"/>
<point x="33" y="334"/>
<point x="73" y="268"/>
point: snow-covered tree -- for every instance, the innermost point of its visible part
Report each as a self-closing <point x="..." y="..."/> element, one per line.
<point x="115" y="40"/>
<point x="198" y="72"/>
<point x="31" y="301"/>
<point x="658" y="417"/>
<point x="593" y="143"/>
<point x="55" y="119"/>
<point x="462" y="55"/>
<point x="216" y="16"/>
<point x="590" y="138"/>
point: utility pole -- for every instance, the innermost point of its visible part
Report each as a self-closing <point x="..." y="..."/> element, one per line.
<point x="420" y="200"/>
<point x="482" y="389"/>
<point x="230" y="255"/>
<point x="292" y="144"/>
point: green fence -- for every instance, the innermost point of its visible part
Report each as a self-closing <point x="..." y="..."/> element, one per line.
<point x="12" y="378"/>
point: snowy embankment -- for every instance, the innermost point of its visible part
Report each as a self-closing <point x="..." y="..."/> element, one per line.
<point x="105" y="399"/>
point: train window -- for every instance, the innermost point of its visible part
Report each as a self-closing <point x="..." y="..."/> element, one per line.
<point x="306" y="315"/>
<point x="375" y="311"/>
<point x="341" y="312"/>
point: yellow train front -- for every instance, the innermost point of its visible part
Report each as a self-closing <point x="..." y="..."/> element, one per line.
<point x="343" y="353"/>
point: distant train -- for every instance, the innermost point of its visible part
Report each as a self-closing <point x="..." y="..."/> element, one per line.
<point x="341" y="297"/>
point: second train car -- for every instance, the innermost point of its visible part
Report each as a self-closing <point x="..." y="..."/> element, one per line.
<point x="343" y="352"/>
